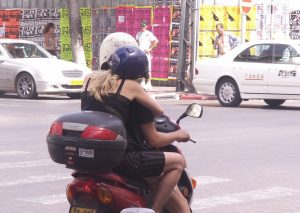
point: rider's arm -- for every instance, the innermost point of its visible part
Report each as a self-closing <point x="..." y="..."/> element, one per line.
<point x="159" y="139"/>
<point x="140" y="95"/>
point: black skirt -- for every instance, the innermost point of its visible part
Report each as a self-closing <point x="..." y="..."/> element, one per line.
<point x="142" y="164"/>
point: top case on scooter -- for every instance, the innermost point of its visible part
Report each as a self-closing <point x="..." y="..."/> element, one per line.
<point x="88" y="141"/>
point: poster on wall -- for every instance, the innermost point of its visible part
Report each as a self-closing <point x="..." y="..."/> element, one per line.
<point x="86" y="22"/>
<point x="10" y="23"/>
<point x="103" y="23"/>
<point x="33" y="22"/>
<point x="294" y="21"/>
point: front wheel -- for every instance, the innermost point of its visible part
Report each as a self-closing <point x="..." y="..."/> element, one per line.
<point x="25" y="86"/>
<point x="274" y="102"/>
<point x="228" y="93"/>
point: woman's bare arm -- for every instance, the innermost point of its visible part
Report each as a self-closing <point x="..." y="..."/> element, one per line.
<point x="159" y="139"/>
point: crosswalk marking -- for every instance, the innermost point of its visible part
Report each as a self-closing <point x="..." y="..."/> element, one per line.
<point x="12" y="165"/>
<point x="204" y="180"/>
<point x="8" y="153"/>
<point x="47" y="199"/>
<point x="35" y="179"/>
<point x="256" y="195"/>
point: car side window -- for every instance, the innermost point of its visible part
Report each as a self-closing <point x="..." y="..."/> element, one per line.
<point x="260" y="53"/>
<point x="284" y="53"/>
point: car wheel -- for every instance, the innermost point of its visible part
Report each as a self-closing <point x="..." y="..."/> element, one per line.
<point x="74" y="95"/>
<point x="25" y="86"/>
<point x="274" y="102"/>
<point x="228" y="93"/>
<point x="1" y="93"/>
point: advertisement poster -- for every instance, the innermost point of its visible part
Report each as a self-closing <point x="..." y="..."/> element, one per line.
<point x="86" y="23"/>
<point x="103" y="23"/>
<point x="33" y="22"/>
<point x="10" y="23"/>
<point x="294" y="24"/>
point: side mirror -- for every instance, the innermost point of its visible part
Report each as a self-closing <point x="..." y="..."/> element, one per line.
<point x="53" y="56"/>
<point x="296" y="60"/>
<point x="194" y="110"/>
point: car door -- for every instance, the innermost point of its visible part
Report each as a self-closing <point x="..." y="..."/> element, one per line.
<point x="251" y="68"/>
<point x="284" y="74"/>
<point x="3" y="73"/>
<point x="8" y="71"/>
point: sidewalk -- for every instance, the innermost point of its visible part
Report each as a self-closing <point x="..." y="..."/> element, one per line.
<point x="169" y="93"/>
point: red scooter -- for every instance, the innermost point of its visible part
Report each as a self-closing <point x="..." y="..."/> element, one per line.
<point x="93" y="143"/>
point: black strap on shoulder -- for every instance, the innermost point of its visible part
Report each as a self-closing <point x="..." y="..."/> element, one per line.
<point x="87" y="84"/>
<point x="120" y="87"/>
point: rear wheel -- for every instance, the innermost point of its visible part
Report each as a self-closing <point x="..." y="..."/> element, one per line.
<point x="274" y="102"/>
<point x="228" y="93"/>
<point x="25" y="86"/>
<point x="1" y="93"/>
<point x="74" y="95"/>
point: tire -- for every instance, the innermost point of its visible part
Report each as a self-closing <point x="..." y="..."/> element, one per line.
<point x="74" y="95"/>
<point x="25" y="86"/>
<point x="274" y="102"/>
<point x="228" y="93"/>
<point x="2" y="93"/>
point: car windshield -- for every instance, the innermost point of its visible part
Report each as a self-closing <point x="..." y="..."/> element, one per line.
<point x="24" y="50"/>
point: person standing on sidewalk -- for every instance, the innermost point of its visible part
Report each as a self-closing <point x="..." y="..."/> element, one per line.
<point x="147" y="42"/>
<point x="224" y="41"/>
<point x="49" y="38"/>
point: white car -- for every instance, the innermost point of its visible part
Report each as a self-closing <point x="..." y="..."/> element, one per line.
<point x="268" y="70"/>
<point x="28" y="69"/>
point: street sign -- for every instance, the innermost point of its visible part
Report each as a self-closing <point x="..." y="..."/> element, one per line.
<point x="246" y="6"/>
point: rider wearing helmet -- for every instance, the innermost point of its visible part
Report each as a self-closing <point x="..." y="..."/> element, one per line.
<point x="118" y="92"/>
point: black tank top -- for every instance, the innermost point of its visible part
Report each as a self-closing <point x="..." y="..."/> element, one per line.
<point x="114" y="103"/>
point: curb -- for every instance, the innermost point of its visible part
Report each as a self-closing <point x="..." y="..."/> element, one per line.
<point x="194" y="96"/>
<point x="179" y="96"/>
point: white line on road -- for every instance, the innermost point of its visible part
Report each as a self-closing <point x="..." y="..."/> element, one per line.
<point x="256" y="195"/>
<point x="8" y="153"/>
<point x="35" y="179"/>
<point x="43" y="162"/>
<point x="204" y="180"/>
<point x="46" y="199"/>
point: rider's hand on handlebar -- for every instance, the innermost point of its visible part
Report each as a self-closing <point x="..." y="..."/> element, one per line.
<point x="183" y="136"/>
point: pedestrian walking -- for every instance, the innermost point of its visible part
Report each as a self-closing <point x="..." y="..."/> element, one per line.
<point x="147" y="42"/>
<point x="224" y="41"/>
<point x="49" y="38"/>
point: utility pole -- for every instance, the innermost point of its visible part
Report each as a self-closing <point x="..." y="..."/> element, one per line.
<point x="188" y="44"/>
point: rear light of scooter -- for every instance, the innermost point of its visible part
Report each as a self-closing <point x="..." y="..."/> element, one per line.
<point x="81" y="187"/>
<point x="104" y="195"/>
<point x="56" y="128"/>
<point x="88" y="189"/>
<point x="98" y="133"/>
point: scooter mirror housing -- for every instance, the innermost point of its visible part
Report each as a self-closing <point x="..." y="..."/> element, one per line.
<point x="194" y="110"/>
<point x="137" y="210"/>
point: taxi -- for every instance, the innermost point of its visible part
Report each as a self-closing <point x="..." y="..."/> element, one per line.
<point x="266" y="69"/>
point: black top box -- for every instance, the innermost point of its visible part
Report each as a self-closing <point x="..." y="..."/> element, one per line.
<point x="87" y="141"/>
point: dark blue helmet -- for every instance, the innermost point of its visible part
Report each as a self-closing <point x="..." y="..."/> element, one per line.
<point x="129" y="62"/>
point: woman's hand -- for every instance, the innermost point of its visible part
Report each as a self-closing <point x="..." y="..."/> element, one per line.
<point x="182" y="136"/>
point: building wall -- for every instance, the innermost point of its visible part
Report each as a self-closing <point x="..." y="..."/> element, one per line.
<point x="28" y="4"/>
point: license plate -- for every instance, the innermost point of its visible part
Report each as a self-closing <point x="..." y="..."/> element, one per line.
<point x="76" y="82"/>
<point x="86" y="153"/>
<point x="82" y="210"/>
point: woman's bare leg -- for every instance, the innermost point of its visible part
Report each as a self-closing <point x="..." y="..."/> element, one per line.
<point x="174" y="164"/>
<point x="177" y="203"/>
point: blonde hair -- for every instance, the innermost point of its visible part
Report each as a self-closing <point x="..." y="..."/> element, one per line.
<point x="106" y="83"/>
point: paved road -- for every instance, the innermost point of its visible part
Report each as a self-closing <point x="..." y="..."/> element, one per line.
<point x="246" y="159"/>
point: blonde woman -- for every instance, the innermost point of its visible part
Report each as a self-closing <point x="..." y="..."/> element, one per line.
<point x="115" y="91"/>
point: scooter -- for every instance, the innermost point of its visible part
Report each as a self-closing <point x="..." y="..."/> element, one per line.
<point x="92" y="143"/>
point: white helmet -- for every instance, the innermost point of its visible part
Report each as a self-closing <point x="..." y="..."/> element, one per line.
<point x="111" y="43"/>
